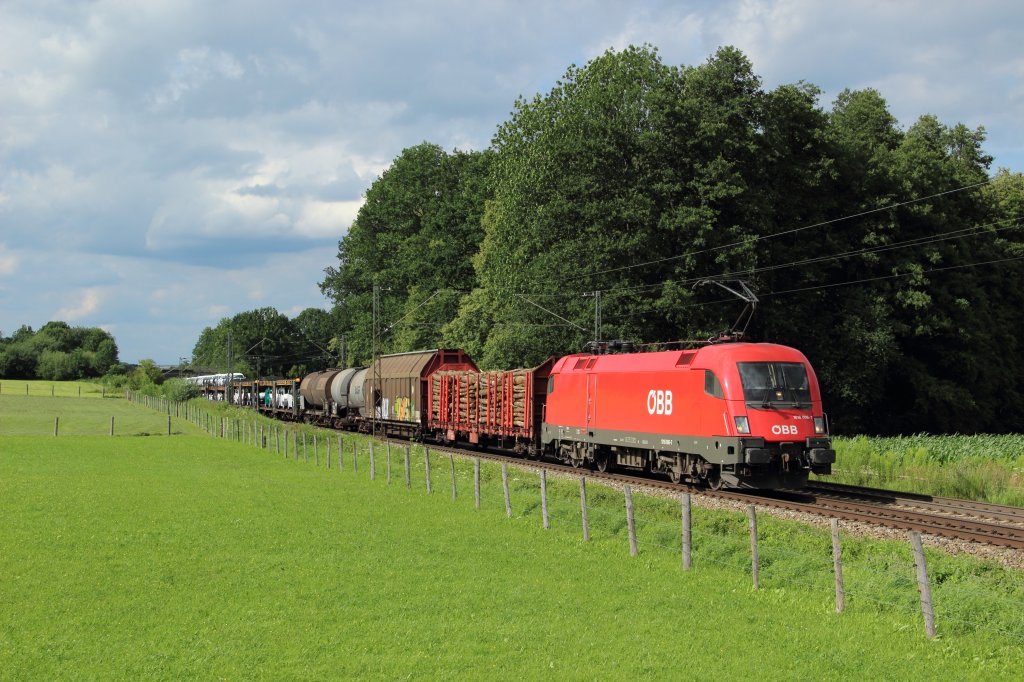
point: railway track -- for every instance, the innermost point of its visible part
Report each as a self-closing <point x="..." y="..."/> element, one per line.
<point x="979" y="522"/>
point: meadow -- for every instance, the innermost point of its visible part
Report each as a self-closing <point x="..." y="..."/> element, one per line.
<point x="56" y="389"/>
<point x="192" y="556"/>
<point x="34" y="415"/>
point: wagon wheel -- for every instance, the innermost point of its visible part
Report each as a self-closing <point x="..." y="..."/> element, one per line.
<point x="601" y="460"/>
<point x="675" y="474"/>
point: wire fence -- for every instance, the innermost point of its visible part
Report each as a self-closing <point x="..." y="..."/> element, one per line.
<point x="951" y="597"/>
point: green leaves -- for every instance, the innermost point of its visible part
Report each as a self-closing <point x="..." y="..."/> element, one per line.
<point x="415" y="236"/>
<point x="57" y="352"/>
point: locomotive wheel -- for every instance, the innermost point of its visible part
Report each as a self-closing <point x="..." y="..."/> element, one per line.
<point x="675" y="475"/>
<point x="714" y="480"/>
<point x="601" y="460"/>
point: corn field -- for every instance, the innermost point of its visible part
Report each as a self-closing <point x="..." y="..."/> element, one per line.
<point x="980" y="467"/>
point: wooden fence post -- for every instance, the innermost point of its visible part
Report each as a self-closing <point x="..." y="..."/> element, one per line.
<point x="426" y="464"/>
<point x="305" y="455"/>
<point x="373" y="463"/>
<point x="544" y="497"/>
<point x="56" y="423"/>
<point x="316" y="451"/>
<point x="837" y="567"/>
<point x="476" y="480"/>
<point x="341" y="456"/>
<point x="389" y="462"/>
<point x="631" y="525"/>
<point x="408" y="474"/>
<point x="111" y="425"/>
<point x="168" y="425"/>
<point x="328" y="441"/>
<point x="285" y="444"/>
<point x="584" y="517"/>
<point x="451" y="458"/>
<point x="504" y="487"/>
<point x="687" y="537"/>
<point x="923" y="586"/>
<point x="355" y="458"/>
<point x="755" y="560"/>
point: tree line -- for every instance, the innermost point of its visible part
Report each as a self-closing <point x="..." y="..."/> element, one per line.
<point x="890" y="256"/>
<point x="57" y="352"/>
<point x="267" y="343"/>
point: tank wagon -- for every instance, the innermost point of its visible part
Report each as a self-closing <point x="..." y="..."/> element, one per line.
<point x="729" y="414"/>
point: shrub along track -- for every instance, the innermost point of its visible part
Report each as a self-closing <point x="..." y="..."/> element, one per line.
<point x="964" y="520"/>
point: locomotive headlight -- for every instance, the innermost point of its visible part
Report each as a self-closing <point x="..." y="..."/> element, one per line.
<point x="742" y="425"/>
<point x="819" y="425"/>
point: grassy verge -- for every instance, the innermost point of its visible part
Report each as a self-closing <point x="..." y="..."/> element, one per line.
<point x="194" y="557"/>
<point x="989" y="468"/>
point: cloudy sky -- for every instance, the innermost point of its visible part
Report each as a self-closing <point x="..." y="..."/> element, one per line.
<point x="166" y="163"/>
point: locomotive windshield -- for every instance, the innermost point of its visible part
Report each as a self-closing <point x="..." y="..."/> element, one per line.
<point x="775" y="384"/>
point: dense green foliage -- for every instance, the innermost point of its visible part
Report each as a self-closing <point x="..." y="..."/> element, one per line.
<point x="57" y="352"/>
<point x="414" y="238"/>
<point x="888" y="255"/>
<point x="265" y="342"/>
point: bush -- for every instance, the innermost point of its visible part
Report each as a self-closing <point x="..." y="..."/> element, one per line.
<point x="179" y="389"/>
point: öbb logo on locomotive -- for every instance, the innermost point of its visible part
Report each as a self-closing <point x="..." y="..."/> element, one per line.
<point x="659" y="402"/>
<point x="731" y="414"/>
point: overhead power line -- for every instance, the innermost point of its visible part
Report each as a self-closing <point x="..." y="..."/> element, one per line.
<point x="794" y="230"/>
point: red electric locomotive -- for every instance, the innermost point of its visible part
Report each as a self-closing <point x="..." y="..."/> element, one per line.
<point x="732" y="414"/>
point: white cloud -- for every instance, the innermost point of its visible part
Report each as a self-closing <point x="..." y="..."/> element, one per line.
<point x="326" y="218"/>
<point x="84" y="304"/>
<point x="193" y="68"/>
<point x="8" y="261"/>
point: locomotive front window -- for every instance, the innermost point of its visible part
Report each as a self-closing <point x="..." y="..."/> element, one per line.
<point x="774" y="384"/>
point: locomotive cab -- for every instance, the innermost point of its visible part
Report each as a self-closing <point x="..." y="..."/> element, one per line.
<point x="773" y="394"/>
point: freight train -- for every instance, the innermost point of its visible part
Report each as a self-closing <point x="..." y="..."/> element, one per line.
<point x="741" y="415"/>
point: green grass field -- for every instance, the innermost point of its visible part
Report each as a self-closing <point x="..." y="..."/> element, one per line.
<point x="189" y="556"/>
<point x="34" y="416"/>
<point x="56" y="389"/>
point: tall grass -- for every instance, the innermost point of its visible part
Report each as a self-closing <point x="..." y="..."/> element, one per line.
<point x="981" y="467"/>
